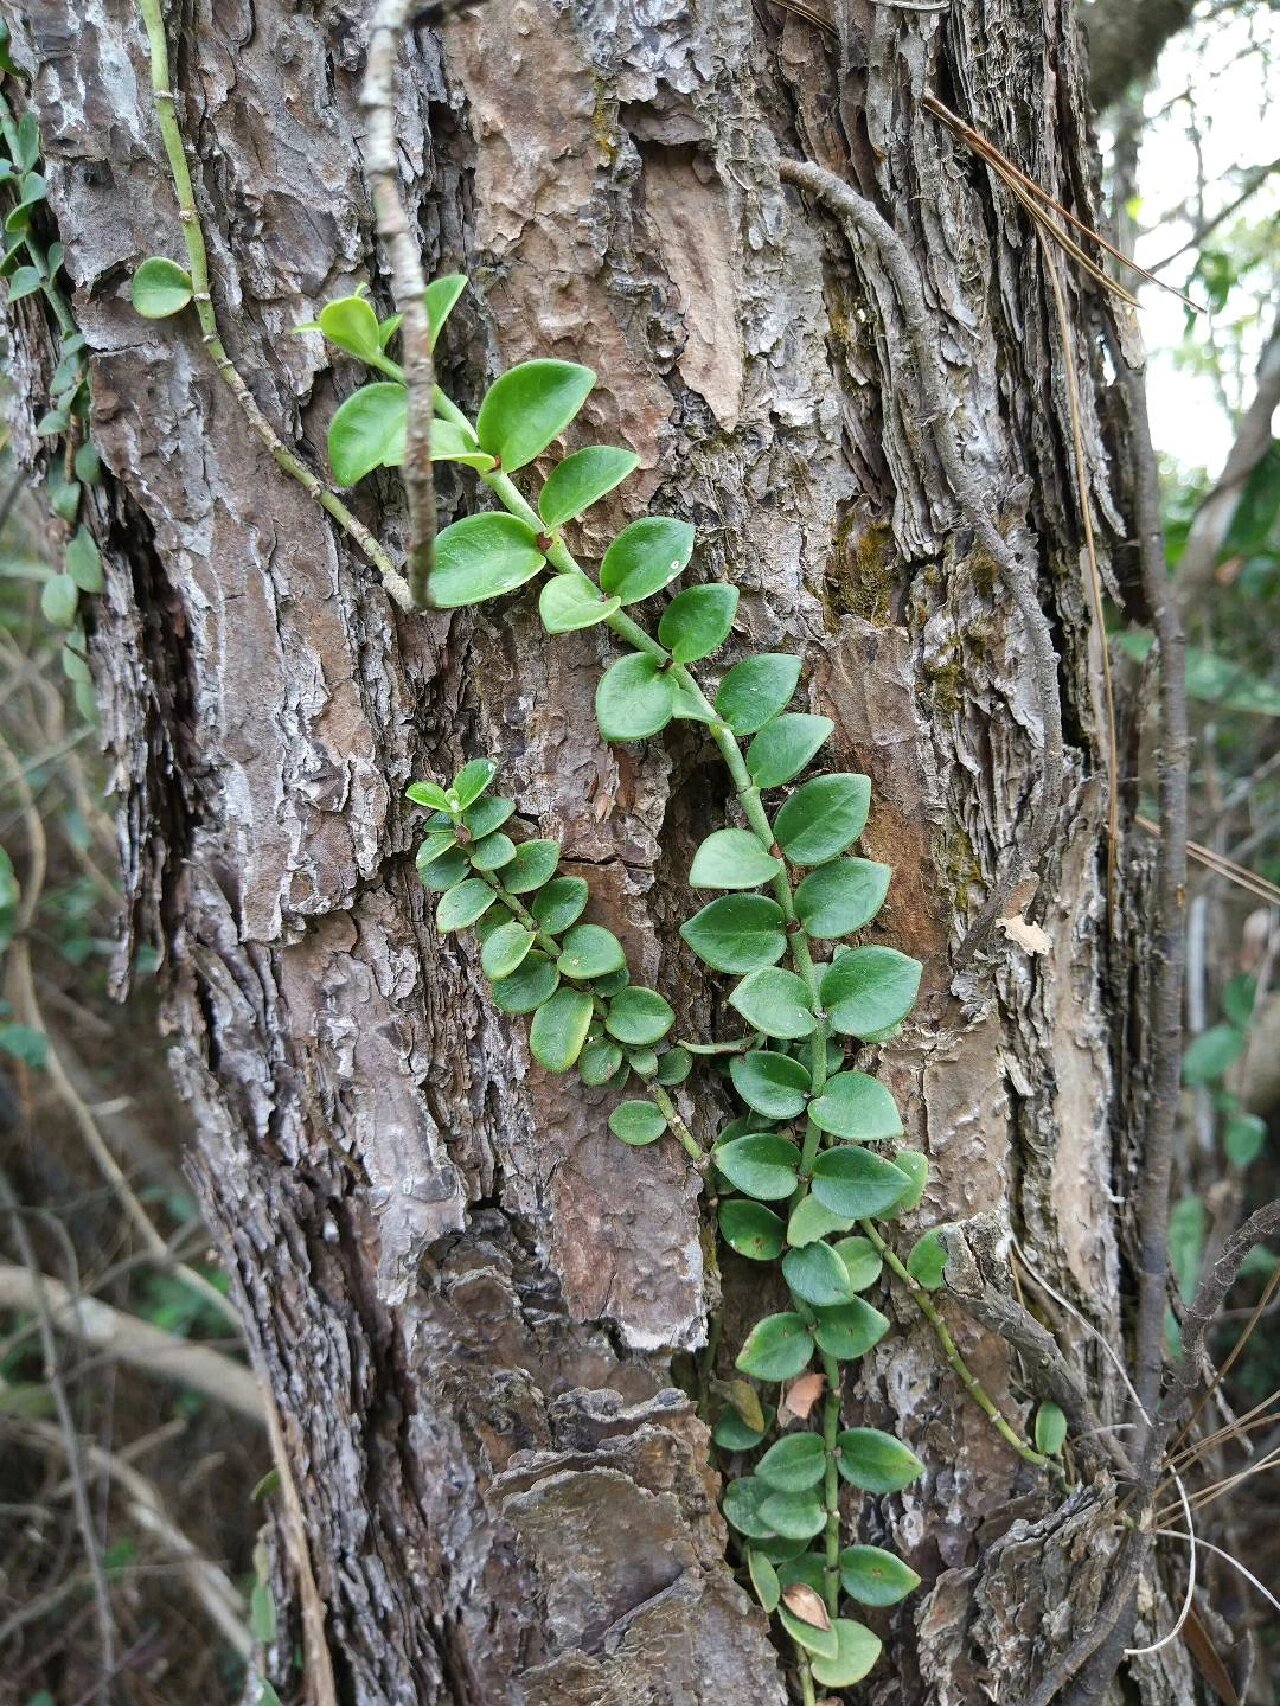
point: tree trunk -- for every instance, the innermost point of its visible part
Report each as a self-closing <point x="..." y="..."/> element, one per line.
<point x="469" y="1300"/>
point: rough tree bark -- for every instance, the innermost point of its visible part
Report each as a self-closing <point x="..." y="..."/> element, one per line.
<point x="465" y="1295"/>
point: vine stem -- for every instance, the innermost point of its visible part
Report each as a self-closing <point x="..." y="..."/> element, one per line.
<point x="963" y="1373"/>
<point x="198" y="263"/>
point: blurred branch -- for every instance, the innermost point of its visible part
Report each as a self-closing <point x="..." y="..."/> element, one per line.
<point x="135" y="1342"/>
<point x="1126" y="38"/>
<point x="1253" y="183"/>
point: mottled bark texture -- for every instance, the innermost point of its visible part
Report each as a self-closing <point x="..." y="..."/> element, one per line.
<point x="465" y="1294"/>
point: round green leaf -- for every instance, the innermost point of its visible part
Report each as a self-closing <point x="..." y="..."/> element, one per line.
<point x="775" y="1002"/>
<point x="811" y="1220"/>
<point x="816" y="1275"/>
<point x="874" y="1576"/>
<point x="856" y="1182"/>
<point x="777" y="1348"/>
<point x="737" y="933"/>
<point x="439" y="298"/>
<point x="505" y="950"/>
<point x="368" y="432"/>
<point x="482" y="557"/>
<point x="771" y="1083"/>
<point x="560" y="904"/>
<point x="160" y="288"/>
<point x="566" y="604"/>
<point x="634" y="698"/>
<point x="674" y="1066"/>
<point x="581" y="480"/>
<point x="861" y="1261"/>
<point x="463" y="905"/>
<point x="528" y="406"/>
<point x="697" y="621"/>
<point x="927" y="1262"/>
<point x="795" y="1462"/>
<point x="599" y="1061"/>
<point x="914" y="1168"/>
<point x="733" y="1433"/>
<point x="764" y="1579"/>
<point x="527" y="988"/>
<point x="850" y="1329"/>
<point x="839" y="898"/>
<point x="560" y="1028"/>
<point x="1051" y="1429"/>
<point x="783" y="747"/>
<point x="492" y="852"/>
<point x="731" y="859"/>
<point x="638" y="1017"/>
<point x="858" y="1650"/>
<point x="352" y="324"/>
<point x="1243" y="1138"/>
<point x="637" y="1123"/>
<point x="1210" y="1054"/>
<point x="751" y="1229"/>
<point x="487" y="814"/>
<point x="83" y="561"/>
<point x="589" y="950"/>
<point x="876" y="1461"/>
<point x="441" y="870"/>
<point x="796" y="1516"/>
<point x="58" y="599"/>
<point x="760" y="1165"/>
<point x="741" y="1505"/>
<point x="646" y="556"/>
<point x="755" y="690"/>
<point x="822" y="817"/>
<point x="534" y="863"/>
<point x="869" y="990"/>
<point x="856" y="1107"/>
<point x="822" y="1643"/>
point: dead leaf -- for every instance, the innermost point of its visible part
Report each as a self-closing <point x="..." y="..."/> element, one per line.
<point x="1206" y="1658"/>
<point x="803" y="1394"/>
<point x="746" y="1401"/>
<point x="802" y="1602"/>
<point x="1027" y="936"/>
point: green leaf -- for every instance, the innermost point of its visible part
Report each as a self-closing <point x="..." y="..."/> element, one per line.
<point x="914" y="1168"/>
<point x="581" y="480"/>
<point x="751" y="1229"/>
<point x="566" y="604"/>
<point x="1210" y="1054"/>
<point x="856" y="1182"/>
<point x="783" y="747"/>
<point x="638" y="1017"/>
<point x="760" y="1165"/>
<point x="429" y="794"/>
<point x="697" y="621"/>
<point x="527" y="407"/>
<point x="816" y="1275"/>
<point x="482" y="557"/>
<point x="352" y="325"/>
<point x="822" y="817"/>
<point x="777" y="1348"/>
<point x="528" y="988"/>
<point x="451" y="442"/>
<point x="646" y="556"/>
<point x="737" y="933"/>
<point x="24" y="1043"/>
<point x="741" y="1506"/>
<point x="731" y="859"/>
<point x="589" y="950"/>
<point x="850" y="1329"/>
<point x="560" y="904"/>
<point x="58" y="599"/>
<point x="795" y="1462"/>
<point x="869" y="989"/>
<point x="637" y="1123"/>
<point x="560" y="1028"/>
<point x="598" y="1062"/>
<point x="810" y="1220"/>
<point x="822" y="1643"/>
<point x="1187" y="1226"/>
<point x="1051" y="1429"/>
<point x="492" y="852"/>
<point x="27" y="151"/>
<point x="160" y="288"/>
<point x="675" y="1066"/>
<point x="796" y="1516"/>
<point x="773" y="1084"/>
<point x="442" y="870"/>
<point x="764" y="1579"/>
<point x="88" y="465"/>
<point x="1243" y="1138"/>
<point x="756" y="689"/>
<point x="839" y="898"/>
<point x="634" y="698"/>
<point x="876" y="1461"/>
<point x="461" y="906"/>
<point x="505" y="950"/>
<point x="775" y="1002"/>
<point x="927" y="1262"/>
<point x="861" y="1261"/>
<point x="1238" y="998"/>
<point x="534" y="863"/>
<point x="83" y="561"/>
<point x="368" y="432"/>
<point x="874" y="1576"/>
<point x="439" y="298"/>
<point x="24" y="282"/>
<point x="472" y="780"/>
<point x="856" y="1107"/>
<point x="858" y="1650"/>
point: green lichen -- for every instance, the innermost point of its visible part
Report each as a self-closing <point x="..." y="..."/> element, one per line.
<point x="863" y="572"/>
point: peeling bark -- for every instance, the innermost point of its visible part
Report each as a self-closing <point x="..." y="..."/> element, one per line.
<point x="465" y="1295"/>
